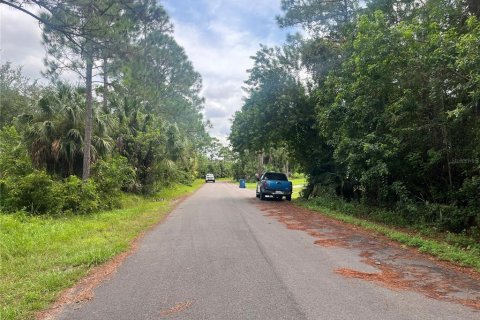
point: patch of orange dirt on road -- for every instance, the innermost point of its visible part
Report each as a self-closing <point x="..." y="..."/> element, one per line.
<point x="399" y="268"/>
<point x="396" y="280"/>
<point x="330" y="242"/>
<point x="179" y="307"/>
<point x="388" y="277"/>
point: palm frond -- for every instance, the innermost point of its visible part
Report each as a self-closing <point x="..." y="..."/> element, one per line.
<point x="45" y="106"/>
<point x="102" y="144"/>
<point x="75" y="135"/>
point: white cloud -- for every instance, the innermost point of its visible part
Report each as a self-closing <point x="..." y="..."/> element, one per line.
<point x="220" y="48"/>
<point x="21" y="41"/>
<point x="21" y="44"/>
<point x="219" y="37"/>
<point x="223" y="64"/>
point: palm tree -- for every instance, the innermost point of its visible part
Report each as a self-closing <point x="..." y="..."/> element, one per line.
<point x="53" y="134"/>
<point x="159" y="151"/>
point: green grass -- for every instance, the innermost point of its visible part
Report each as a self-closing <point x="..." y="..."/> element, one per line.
<point x="223" y="179"/>
<point x="41" y="256"/>
<point x="298" y="186"/>
<point x="460" y="249"/>
<point x="250" y="185"/>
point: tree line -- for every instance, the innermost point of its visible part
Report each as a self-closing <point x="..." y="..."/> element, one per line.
<point x="133" y="124"/>
<point x="377" y="101"/>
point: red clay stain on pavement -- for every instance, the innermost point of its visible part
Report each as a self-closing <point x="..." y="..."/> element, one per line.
<point x="179" y="307"/>
<point x="398" y="280"/>
<point x="399" y="268"/>
<point x="330" y="242"/>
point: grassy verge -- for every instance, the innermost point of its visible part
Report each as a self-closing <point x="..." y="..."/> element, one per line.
<point x="250" y="185"/>
<point x="457" y="248"/>
<point x="298" y="186"/>
<point x="41" y="256"/>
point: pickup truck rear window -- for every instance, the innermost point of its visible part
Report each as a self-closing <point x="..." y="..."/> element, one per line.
<point x="275" y="176"/>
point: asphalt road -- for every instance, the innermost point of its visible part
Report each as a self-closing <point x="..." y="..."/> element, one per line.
<point x="218" y="256"/>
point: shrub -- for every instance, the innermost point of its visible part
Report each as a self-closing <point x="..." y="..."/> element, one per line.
<point x="111" y="177"/>
<point x="448" y="218"/>
<point x="38" y="193"/>
<point x="76" y="196"/>
<point x="14" y="159"/>
<point x="34" y="193"/>
<point x="469" y="195"/>
<point x="3" y="194"/>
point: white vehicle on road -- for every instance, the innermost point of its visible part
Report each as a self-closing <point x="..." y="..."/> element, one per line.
<point x="209" y="177"/>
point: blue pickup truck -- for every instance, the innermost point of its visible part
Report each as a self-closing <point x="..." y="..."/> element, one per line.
<point x="275" y="185"/>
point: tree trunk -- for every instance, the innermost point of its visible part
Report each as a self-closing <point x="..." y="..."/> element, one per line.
<point x="446" y="144"/>
<point x="260" y="163"/>
<point x="105" y="84"/>
<point x="447" y="152"/>
<point x="474" y="7"/>
<point x="87" y="140"/>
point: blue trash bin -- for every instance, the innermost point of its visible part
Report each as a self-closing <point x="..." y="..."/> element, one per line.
<point x="242" y="183"/>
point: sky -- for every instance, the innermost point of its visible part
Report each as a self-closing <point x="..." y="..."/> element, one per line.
<point x="219" y="36"/>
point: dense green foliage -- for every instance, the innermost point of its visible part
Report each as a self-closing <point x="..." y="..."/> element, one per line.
<point x="380" y="103"/>
<point x="141" y="128"/>
<point x="16" y="93"/>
